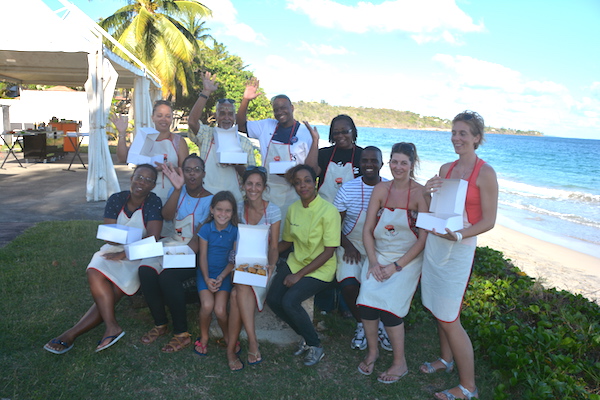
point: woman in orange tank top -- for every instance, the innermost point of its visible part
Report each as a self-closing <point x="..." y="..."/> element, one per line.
<point x="448" y="256"/>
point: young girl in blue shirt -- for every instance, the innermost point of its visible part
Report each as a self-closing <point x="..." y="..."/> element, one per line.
<point x="218" y="237"/>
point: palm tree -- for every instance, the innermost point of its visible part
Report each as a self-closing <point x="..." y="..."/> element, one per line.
<point x="152" y="31"/>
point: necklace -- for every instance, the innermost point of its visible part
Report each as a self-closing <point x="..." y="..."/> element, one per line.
<point x="200" y="193"/>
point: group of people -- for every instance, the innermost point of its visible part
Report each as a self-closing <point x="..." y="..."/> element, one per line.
<point x="331" y="217"/>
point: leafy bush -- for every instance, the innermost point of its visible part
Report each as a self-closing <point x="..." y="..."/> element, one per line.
<point x="544" y="344"/>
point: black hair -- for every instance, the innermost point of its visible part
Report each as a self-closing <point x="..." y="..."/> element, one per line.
<point x="161" y="103"/>
<point x="290" y="173"/>
<point x="150" y="167"/>
<point x="343" y="117"/>
<point x="195" y="157"/>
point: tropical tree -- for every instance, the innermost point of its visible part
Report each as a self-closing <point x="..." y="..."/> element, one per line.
<point x="152" y="30"/>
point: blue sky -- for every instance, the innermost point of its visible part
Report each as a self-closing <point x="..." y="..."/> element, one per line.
<point x="531" y="64"/>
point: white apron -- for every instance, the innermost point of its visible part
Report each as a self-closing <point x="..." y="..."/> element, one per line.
<point x="168" y="148"/>
<point x="280" y="192"/>
<point x="446" y="270"/>
<point x="220" y="177"/>
<point x="345" y="269"/>
<point x="335" y="176"/>
<point x="184" y="232"/>
<point x="393" y="238"/>
<point x="122" y="273"/>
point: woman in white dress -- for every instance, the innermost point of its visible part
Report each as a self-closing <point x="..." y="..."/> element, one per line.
<point x="110" y="274"/>
<point x="391" y="272"/>
<point x="448" y="256"/>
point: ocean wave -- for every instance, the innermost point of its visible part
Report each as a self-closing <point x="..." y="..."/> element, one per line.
<point x="573" y="218"/>
<point x="525" y="190"/>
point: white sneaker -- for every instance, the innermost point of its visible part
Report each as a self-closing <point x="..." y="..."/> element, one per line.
<point x="360" y="340"/>
<point x="384" y="340"/>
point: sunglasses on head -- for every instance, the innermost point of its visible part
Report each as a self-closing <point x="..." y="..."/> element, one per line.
<point x="259" y="169"/>
<point x="230" y="101"/>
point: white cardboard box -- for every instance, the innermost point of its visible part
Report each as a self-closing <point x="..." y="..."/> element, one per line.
<point x="173" y="259"/>
<point x="145" y="248"/>
<point x="119" y="233"/>
<point x="143" y="144"/>
<point x="229" y="149"/>
<point x="252" y="248"/>
<point x="280" y="167"/>
<point x="447" y="207"/>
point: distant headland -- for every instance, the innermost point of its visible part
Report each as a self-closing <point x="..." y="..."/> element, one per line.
<point x="322" y="114"/>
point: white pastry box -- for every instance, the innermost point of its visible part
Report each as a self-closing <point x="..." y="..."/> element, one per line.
<point x="447" y="207"/>
<point x="229" y="149"/>
<point x="251" y="257"/>
<point x="280" y="167"/>
<point x="142" y="145"/>
<point x="119" y="233"/>
<point x="178" y="257"/>
<point x="145" y="248"/>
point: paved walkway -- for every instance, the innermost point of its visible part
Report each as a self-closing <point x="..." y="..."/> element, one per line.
<point x="46" y="192"/>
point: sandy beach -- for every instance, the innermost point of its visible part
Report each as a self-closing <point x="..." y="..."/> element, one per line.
<point x="553" y="265"/>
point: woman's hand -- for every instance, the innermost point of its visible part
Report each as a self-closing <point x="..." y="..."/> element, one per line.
<point x="351" y="254"/>
<point x="115" y="256"/>
<point x="449" y="235"/>
<point x="432" y="185"/>
<point x="174" y="174"/>
<point x="376" y="270"/>
<point x="313" y="131"/>
<point x="121" y="122"/>
<point x="291" y="280"/>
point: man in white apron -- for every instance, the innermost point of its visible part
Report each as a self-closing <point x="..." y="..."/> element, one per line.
<point x="218" y="176"/>
<point x="352" y="201"/>
<point x="282" y="139"/>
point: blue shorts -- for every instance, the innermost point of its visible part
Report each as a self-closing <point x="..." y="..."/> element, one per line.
<point x="227" y="285"/>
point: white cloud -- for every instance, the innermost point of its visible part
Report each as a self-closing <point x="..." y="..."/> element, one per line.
<point x="503" y="96"/>
<point x="426" y="21"/>
<point x="322" y="49"/>
<point x="224" y="15"/>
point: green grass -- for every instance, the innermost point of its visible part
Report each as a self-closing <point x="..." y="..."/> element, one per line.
<point x="43" y="291"/>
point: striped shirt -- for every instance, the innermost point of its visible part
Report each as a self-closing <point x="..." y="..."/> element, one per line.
<point x="353" y="197"/>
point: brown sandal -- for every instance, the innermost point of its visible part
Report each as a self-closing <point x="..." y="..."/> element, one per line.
<point x="177" y="343"/>
<point x="154" y="334"/>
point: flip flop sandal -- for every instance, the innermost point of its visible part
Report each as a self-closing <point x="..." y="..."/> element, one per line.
<point x="368" y="365"/>
<point x="154" y="334"/>
<point x="257" y="356"/>
<point x="395" y="377"/>
<point x="177" y="343"/>
<point x="59" y="342"/>
<point x="234" y="364"/>
<point x="203" y="348"/>
<point x="114" y="339"/>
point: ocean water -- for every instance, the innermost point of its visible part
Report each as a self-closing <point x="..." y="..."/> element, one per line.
<point x="549" y="186"/>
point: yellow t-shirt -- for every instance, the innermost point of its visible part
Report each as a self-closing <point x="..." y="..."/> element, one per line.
<point x="312" y="229"/>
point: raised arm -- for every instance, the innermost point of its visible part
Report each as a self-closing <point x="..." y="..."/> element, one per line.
<point x="121" y="123"/>
<point x="312" y="158"/>
<point x="175" y="175"/>
<point x="250" y="93"/>
<point x="209" y="85"/>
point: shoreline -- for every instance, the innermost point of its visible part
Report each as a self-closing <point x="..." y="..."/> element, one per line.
<point x="551" y="264"/>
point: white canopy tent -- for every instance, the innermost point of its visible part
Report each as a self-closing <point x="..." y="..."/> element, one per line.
<point x="64" y="47"/>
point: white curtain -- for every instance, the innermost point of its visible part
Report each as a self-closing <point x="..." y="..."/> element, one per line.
<point x="102" y="79"/>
